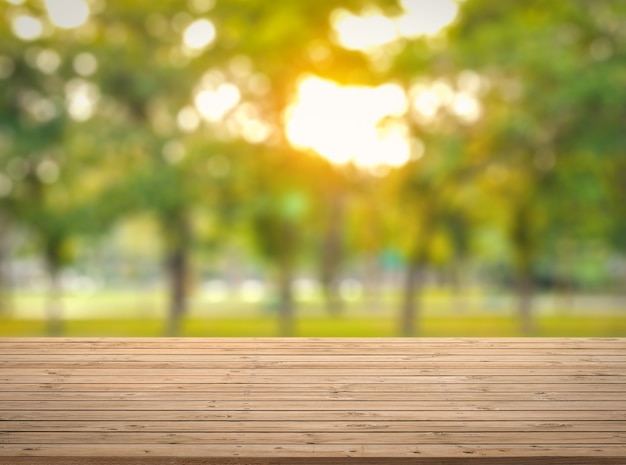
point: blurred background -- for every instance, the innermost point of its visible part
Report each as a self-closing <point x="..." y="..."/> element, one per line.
<point x="312" y="168"/>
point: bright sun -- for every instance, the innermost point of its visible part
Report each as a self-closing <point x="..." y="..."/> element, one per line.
<point x="348" y="124"/>
<point x="371" y="29"/>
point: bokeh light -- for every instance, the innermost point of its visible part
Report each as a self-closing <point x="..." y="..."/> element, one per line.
<point x="344" y="123"/>
<point x="363" y="32"/>
<point x="213" y="104"/>
<point x="67" y="14"/>
<point x="199" y="34"/>
<point x="85" y="64"/>
<point x="27" y="27"/>
<point x="368" y="165"/>
<point x="372" y="29"/>
<point x="426" y="17"/>
<point x="82" y="98"/>
<point x="188" y="119"/>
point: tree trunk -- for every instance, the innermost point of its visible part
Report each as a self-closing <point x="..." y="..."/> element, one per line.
<point x="414" y="278"/>
<point x="331" y="256"/>
<point x="54" y="301"/>
<point x="459" y="299"/>
<point x="523" y="242"/>
<point x="177" y="267"/>
<point x="332" y="298"/>
<point x="285" y="293"/>
<point x="411" y="303"/>
<point x="54" y="298"/>
<point x="286" y="262"/>
<point x="5" y="298"/>
<point x="524" y="296"/>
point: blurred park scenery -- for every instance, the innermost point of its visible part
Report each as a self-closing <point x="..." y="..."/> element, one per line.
<point x="312" y="168"/>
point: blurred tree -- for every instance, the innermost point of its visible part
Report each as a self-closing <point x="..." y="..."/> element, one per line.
<point x="285" y="41"/>
<point x="436" y="194"/>
<point x="374" y="223"/>
<point x="329" y="189"/>
<point x="179" y="110"/>
<point x="564" y="67"/>
<point x="278" y="225"/>
<point x="437" y="187"/>
<point x="229" y="70"/>
<point x="5" y="286"/>
<point x="146" y="75"/>
<point x="332" y="246"/>
<point x="39" y="172"/>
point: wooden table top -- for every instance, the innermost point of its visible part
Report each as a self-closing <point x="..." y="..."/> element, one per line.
<point x="315" y="401"/>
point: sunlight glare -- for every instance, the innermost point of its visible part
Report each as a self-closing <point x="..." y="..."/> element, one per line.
<point x="27" y="27"/>
<point x="214" y="104"/>
<point x="199" y="34"/>
<point x="48" y="61"/>
<point x="252" y="291"/>
<point x="81" y="98"/>
<point x="67" y="14"/>
<point x="188" y="119"/>
<point x="426" y="17"/>
<point x="363" y="32"/>
<point x="85" y="64"/>
<point x="215" y="290"/>
<point x="371" y="30"/>
<point x="345" y="123"/>
<point x="427" y="103"/>
<point x="467" y="108"/>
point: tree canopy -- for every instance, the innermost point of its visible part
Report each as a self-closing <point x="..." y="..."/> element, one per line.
<point x="315" y="137"/>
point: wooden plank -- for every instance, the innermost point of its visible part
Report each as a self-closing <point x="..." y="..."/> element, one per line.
<point x="314" y="400"/>
<point x="254" y="368"/>
<point x="315" y="396"/>
<point x="619" y="366"/>
<point x="297" y="352"/>
<point x="345" y="373"/>
<point x="480" y="458"/>
<point x="310" y="438"/>
<point x="314" y="415"/>
<point x="321" y="388"/>
<point x="147" y="355"/>
<point x="517" y="426"/>
<point x="275" y="449"/>
<point x="279" y="405"/>
<point x="309" y="379"/>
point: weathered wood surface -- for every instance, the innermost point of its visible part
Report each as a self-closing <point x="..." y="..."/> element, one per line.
<point x="312" y="401"/>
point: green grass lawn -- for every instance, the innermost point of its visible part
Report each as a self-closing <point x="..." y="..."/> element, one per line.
<point x="458" y="326"/>
<point x="143" y="313"/>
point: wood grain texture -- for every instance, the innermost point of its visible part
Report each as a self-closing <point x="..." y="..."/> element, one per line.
<point x="320" y="401"/>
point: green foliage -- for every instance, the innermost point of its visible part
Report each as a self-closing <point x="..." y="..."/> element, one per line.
<point x="538" y="168"/>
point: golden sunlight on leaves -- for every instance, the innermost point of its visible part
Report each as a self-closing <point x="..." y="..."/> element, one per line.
<point x="302" y="160"/>
<point x="350" y="123"/>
